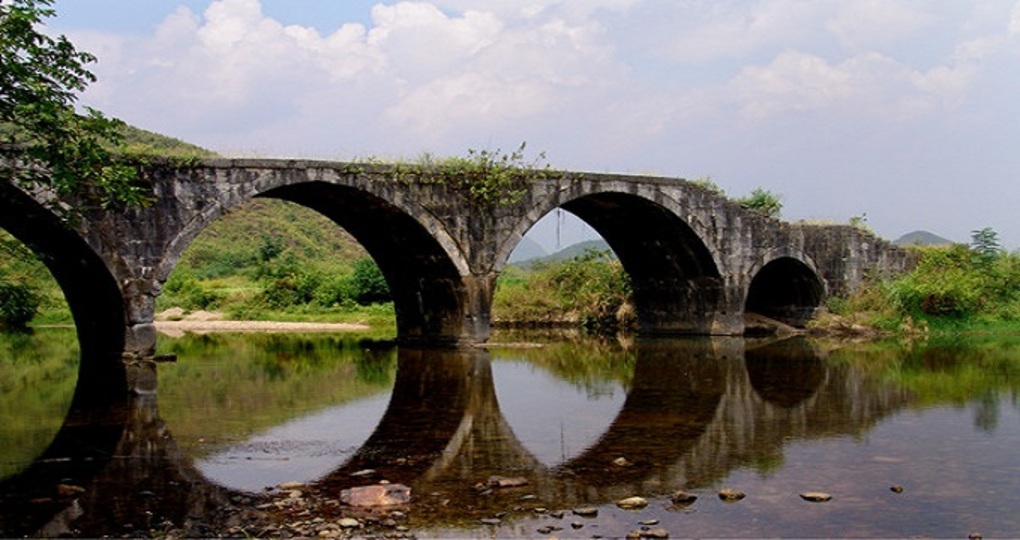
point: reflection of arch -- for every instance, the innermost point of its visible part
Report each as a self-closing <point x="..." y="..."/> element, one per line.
<point x="677" y="285"/>
<point x="671" y="402"/>
<point x="444" y="406"/>
<point x="118" y="465"/>
<point x="787" y="290"/>
<point x="91" y="291"/>
<point x="785" y="373"/>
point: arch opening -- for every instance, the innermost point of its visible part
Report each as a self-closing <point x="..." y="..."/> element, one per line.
<point x="302" y="259"/>
<point x="786" y="290"/>
<point x="675" y="283"/>
<point x="95" y="301"/>
<point x="431" y="299"/>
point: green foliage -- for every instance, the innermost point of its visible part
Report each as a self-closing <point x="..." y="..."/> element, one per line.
<point x="860" y="222"/>
<point x="763" y="201"/>
<point x="27" y="289"/>
<point x="488" y="178"/>
<point x="40" y="78"/>
<point x="706" y="183"/>
<point x="186" y="291"/>
<point x="949" y="285"/>
<point x="19" y="302"/>
<point x="985" y="244"/>
<point x="368" y="283"/>
<point x="591" y="290"/>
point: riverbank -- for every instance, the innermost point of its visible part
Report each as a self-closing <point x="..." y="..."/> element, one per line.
<point x="175" y="323"/>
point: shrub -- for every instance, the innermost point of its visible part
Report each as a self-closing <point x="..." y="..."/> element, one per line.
<point x="368" y="283"/>
<point x="19" y="302"/>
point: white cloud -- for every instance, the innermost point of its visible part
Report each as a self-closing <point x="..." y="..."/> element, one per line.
<point x="870" y="25"/>
<point x="1014" y="21"/>
<point x="737" y="88"/>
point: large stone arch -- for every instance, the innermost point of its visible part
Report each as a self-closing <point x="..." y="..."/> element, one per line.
<point x="435" y="299"/>
<point x="431" y="298"/>
<point x="786" y="288"/>
<point x="89" y="287"/>
<point x="677" y="278"/>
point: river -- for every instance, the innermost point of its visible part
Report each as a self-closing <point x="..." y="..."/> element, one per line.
<point x="909" y="439"/>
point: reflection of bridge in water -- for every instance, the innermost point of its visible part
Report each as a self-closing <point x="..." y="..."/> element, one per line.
<point x="695" y="411"/>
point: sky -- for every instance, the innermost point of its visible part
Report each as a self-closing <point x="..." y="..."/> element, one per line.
<point x="903" y="112"/>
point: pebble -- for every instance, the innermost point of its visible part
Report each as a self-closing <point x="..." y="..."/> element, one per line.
<point x="506" y="482"/>
<point x="69" y="490"/>
<point x="586" y="511"/>
<point x="655" y="533"/>
<point x="683" y="497"/>
<point x="896" y="488"/>
<point x="576" y="525"/>
<point x="631" y="503"/>
<point x="490" y="521"/>
<point x="649" y="522"/>
<point x="622" y="462"/>
<point x="291" y="486"/>
<point x="731" y="495"/>
<point x="816" y="496"/>
<point x="348" y="523"/>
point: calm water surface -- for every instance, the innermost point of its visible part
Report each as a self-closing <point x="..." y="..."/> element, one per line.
<point x="586" y="422"/>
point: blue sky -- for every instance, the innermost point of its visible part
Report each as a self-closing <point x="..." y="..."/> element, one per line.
<point x="901" y="110"/>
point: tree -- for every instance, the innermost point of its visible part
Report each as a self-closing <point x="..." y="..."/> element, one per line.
<point x="369" y="283"/>
<point x="763" y="201"/>
<point x="985" y="243"/>
<point x="44" y="141"/>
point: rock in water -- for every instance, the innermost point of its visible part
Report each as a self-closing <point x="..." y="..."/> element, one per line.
<point x="683" y="497"/>
<point x="731" y="495"/>
<point x="632" y="502"/>
<point x="377" y="495"/>
<point x="505" y="482"/>
<point x="816" y="496"/>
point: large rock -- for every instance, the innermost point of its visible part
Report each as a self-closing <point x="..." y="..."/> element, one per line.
<point x="377" y="495"/>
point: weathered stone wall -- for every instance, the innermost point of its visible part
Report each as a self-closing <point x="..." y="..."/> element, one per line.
<point x="691" y="254"/>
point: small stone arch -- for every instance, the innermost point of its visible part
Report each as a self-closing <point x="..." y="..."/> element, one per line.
<point x="786" y="289"/>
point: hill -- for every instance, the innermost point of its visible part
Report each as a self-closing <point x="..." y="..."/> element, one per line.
<point x="527" y="249"/>
<point x="140" y="141"/>
<point x="566" y="253"/>
<point x="922" y="238"/>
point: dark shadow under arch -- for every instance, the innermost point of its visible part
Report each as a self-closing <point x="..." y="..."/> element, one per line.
<point x="677" y="285"/>
<point x="92" y="295"/>
<point x="787" y="290"/>
<point x="431" y="299"/>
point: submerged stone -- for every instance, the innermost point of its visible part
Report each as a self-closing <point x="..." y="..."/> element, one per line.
<point x="731" y="495"/>
<point x="683" y="497"/>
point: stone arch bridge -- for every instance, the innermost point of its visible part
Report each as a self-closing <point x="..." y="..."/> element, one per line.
<point x="696" y="260"/>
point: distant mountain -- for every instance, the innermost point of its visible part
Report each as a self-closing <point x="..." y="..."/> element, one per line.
<point x="527" y="249"/>
<point x="922" y="238"/>
<point x="566" y="253"/>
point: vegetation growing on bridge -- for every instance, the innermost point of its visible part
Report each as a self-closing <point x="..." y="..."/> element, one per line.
<point x="486" y="178"/>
